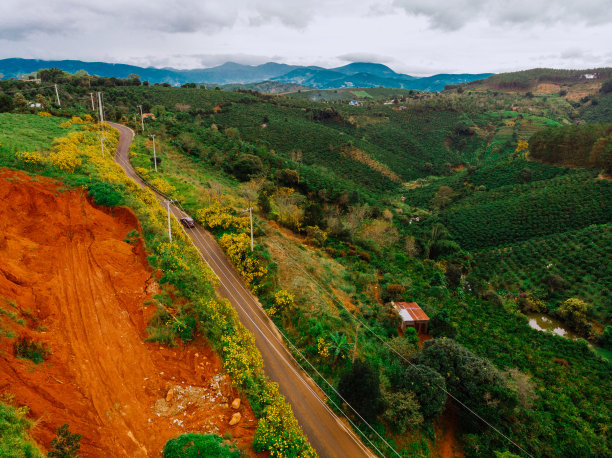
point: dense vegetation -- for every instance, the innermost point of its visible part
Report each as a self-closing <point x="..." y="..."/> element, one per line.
<point x="481" y="233"/>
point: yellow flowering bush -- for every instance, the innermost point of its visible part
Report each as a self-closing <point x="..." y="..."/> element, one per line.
<point x="284" y="299"/>
<point x="238" y="248"/>
<point x="66" y="124"/>
<point x="44" y="114"/>
<point x="141" y="171"/>
<point x="322" y="348"/>
<point x="278" y="430"/>
<point x="30" y="158"/>
<point x="76" y="120"/>
<point x="88" y="119"/>
<point x="162" y="185"/>
<point x="217" y="216"/>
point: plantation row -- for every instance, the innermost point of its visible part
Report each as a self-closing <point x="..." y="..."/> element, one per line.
<point x="559" y="207"/>
<point x="578" y="257"/>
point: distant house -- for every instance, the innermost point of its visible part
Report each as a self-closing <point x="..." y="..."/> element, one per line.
<point x="412" y="316"/>
<point x="148" y="115"/>
<point x="590" y="76"/>
<point x="354" y="103"/>
<point x="35" y="105"/>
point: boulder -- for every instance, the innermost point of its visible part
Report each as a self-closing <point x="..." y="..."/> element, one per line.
<point x="235" y="419"/>
<point x="236" y="403"/>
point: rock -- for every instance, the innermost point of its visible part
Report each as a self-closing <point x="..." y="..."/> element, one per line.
<point x="170" y="395"/>
<point x="235" y="419"/>
<point x="236" y="403"/>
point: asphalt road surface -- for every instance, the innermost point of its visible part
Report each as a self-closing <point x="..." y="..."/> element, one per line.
<point x="329" y="436"/>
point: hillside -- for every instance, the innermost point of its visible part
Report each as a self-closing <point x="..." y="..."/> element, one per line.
<point x="104" y="296"/>
<point x="406" y="196"/>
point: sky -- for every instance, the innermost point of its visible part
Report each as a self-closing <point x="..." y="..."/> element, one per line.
<point x="418" y="37"/>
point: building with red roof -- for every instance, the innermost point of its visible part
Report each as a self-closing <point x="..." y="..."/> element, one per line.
<point x="412" y="316"/>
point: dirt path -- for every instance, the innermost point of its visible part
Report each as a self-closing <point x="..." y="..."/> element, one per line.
<point x="69" y="279"/>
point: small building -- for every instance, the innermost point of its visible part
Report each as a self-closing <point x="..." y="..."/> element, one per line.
<point x="148" y="115"/>
<point x="590" y="76"/>
<point x="412" y="316"/>
<point x="354" y="103"/>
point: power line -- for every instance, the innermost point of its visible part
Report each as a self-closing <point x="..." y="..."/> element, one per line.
<point x="404" y="358"/>
<point x="263" y="335"/>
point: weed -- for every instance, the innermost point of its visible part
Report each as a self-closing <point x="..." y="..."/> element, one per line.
<point x="25" y="347"/>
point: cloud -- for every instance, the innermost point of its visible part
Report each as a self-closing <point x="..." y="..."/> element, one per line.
<point x="366" y="57"/>
<point x="452" y="15"/>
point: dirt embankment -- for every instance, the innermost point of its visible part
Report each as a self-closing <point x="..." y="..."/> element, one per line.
<point x="70" y="280"/>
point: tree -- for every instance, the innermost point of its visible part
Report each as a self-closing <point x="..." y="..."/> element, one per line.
<point x="44" y="103"/>
<point x="6" y="103"/>
<point x="441" y="325"/>
<point x="20" y="102"/>
<point x="428" y="387"/>
<point x="525" y="175"/>
<point x="263" y="202"/>
<point x="439" y="242"/>
<point x="574" y="312"/>
<point x="65" y="444"/>
<point x="453" y="275"/>
<point x="360" y="387"/>
<point x="443" y="197"/>
<point x="394" y="291"/>
<point x="246" y="167"/>
<point x="402" y="411"/>
<point x="339" y="345"/>
<point x="314" y="215"/>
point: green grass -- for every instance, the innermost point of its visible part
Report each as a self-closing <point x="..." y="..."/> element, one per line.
<point x="15" y="441"/>
<point x="362" y="94"/>
<point x="24" y="132"/>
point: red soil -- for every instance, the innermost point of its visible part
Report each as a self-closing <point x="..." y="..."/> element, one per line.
<point x="445" y="427"/>
<point x="67" y="272"/>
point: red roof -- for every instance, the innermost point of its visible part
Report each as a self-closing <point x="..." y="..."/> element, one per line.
<point x="413" y="310"/>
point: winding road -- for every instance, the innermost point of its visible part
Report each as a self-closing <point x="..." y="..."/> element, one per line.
<point x="328" y="435"/>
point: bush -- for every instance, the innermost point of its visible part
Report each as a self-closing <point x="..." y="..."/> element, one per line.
<point x="25" y="347"/>
<point x="15" y="442"/>
<point x="246" y="167"/>
<point x="360" y="387"/>
<point x="428" y="387"/>
<point x="104" y="194"/>
<point x="65" y="444"/>
<point x="402" y="411"/>
<point x="199" y="445"/>
<point x="442" y="326"/>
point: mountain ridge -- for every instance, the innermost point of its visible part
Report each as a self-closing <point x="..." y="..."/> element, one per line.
<point x="356" y="74"/>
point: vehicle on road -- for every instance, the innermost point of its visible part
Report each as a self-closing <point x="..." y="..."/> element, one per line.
<point x="187" y="221"/>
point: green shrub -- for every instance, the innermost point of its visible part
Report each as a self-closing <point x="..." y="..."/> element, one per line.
<point x="199" y="445"/>
<point x="15" y="441"/>
<point x="104" y="194"/>
<point x="24" y="347"/>
<point x="65" y="444"/>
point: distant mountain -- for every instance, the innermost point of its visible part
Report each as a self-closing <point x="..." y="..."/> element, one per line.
<point x="357" y="74"/>
<point x="363" y="74"/>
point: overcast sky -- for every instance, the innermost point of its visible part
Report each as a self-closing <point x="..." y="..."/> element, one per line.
<point x="418" y="37"/>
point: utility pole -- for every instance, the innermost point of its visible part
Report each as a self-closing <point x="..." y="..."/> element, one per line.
<point x="250" y="210"/>
<point x="355" y="347"/>
<point x="101" y="144"/>
<point x="100" y="107"/>
<point x="57" y="95"/>
<point x="141" y="119"/>
<point x="169" y="226"/>
<point x="93" y="106"/>
<point x="154" y="155"/>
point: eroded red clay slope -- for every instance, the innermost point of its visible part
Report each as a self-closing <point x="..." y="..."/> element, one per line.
<point x="66" y="271"/>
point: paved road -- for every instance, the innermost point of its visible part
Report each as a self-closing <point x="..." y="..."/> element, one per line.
<point x="329" y="436"/>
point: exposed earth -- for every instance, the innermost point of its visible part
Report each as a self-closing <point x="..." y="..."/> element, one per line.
<point x="69" y="279"/>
